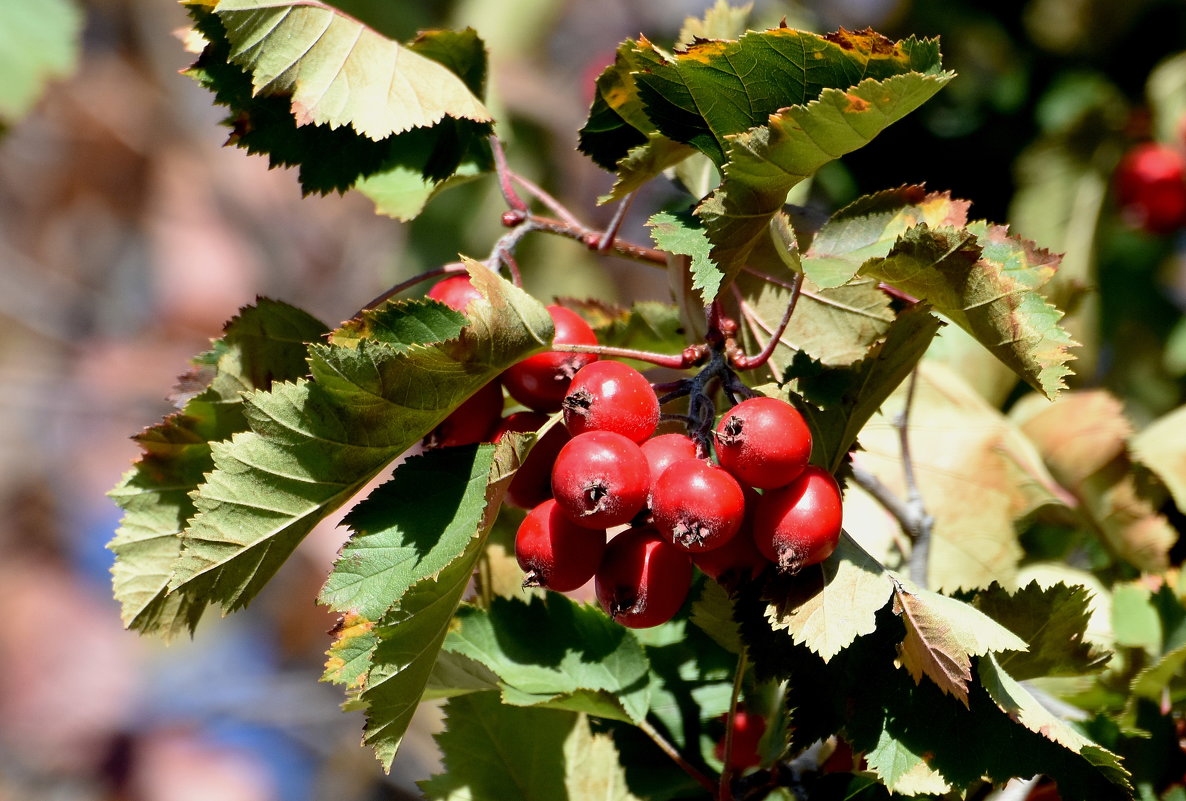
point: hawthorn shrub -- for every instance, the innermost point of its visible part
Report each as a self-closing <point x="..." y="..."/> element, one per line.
<point x="814" y="543"/>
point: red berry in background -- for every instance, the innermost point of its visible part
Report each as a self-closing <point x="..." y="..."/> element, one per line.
<point x="540" y="382"/>
<point x="611" y="396"/>
<point x="799" y="524"/>
<point x="697" y="505"/>
<point x="1151" y="187"/>
<point x="456" y="292"/>
<point x="600" y="479"/>
<point x="554" y="552"/>
<point x="738" y="559"/>
<point x="665" y="449"/>
<point x="748" y="729"/>
<point x="472" y="421"/>
<point x="643" y="580"/>
<point x="532" y="483"/>
<point x="763" y="442"/>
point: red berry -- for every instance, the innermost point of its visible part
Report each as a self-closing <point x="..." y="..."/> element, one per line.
<point x="472" y="421"/>
<point x="739" y="558"/>
<point x="554" y="552"/>
<point x="611" y="396"/>
<point x="697" y="505"/>
<point x="665" y="449"/>
<point x="763" y="442"/>
<point x="799" y="524"/>
<point x="540" y="382"/>
<point x="532" y="483"/>
<point x="643" y="579"/>
<point x="748" y="729"/>
<point x="600" y="479"/>
<point x="1151" y="187"/>
<point x="456" y="292"/>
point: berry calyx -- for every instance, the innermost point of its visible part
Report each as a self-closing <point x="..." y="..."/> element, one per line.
<point x="472" y="421"/>
<point x="763" y="442"/>
<point x="738" y="559"/>
<point x="697" y="505"/>
<point x="799" y="524"/>
<point x="554" y="552"/>
<point x="456" y="292"/>
<point x="643" y="580"/>
<point x="611" y="396"/>
<point x="600" y="479"/>
<point x="532" y="483"/>
<point x="540" y="382"/>
<point x="748" y="729"/>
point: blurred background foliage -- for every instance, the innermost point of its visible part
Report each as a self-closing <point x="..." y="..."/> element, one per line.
<point x="128" y="235"/>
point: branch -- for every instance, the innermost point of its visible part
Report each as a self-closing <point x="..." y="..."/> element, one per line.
<point x="689" y="357"/>
<point x="753" y="362"/>
<point x="920" y="554"/>
<point x="676" y="757"/>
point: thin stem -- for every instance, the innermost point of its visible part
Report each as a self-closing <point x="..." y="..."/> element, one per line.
<point x="924" y="523"/>
<point x="752" y="362"/>
<point x="676" y="361"/>
<point x="505" y="176"/>
<point x="454" y="267"/>
<point x="540" y="194"/>
<point x="611" y="232"/>
<point x="592" y="239"/>
<point x="726" y="786"/>
<point x="884" y="496"/>
<point x="676" y="757"/>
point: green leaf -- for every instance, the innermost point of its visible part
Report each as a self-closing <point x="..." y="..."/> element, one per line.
<point x="408" y="529"/>
<point x="410" y="634"/>
<point x="765" y="163"/>
<point x="721" y="21"/>
<point x="544" y="649"/>
<point x="1161" y="447"/>
<point x="646" y="325"/>
<point x="827" y="606"/>
<point x="903" y="770"/>
<point x="1135" y="619"/>
<point x="1154" y="681"/>
<point x="349" y="657"/>
<point x="264" y="343"/>
<point x="682" y="234"/>
<point x="844" y="399"/>
<point x="1053" y="623"/>
<point x="942" y="636"/>
<point x="39" y="42"/>
<point x="401" y="172"/>
<point x="340" y="72"/>
<point x="712" y="613"/>
<point x="986" y="281"/>
<point x="870" y="226"/>
<point x="316" y="442"/>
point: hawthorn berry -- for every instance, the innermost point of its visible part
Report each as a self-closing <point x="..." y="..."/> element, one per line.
<point x="643" y="580"/>
<point x="665" y="449"/>
<point x="456" y="292"/>
<point x="600" y="479"/>
<point x="763" y="442"/>
<point x="611" y="396"/>
<point x="472" y="421"/>
<point x="748" y="729"/>
<point x="799" y="524"/>
<point x="739" y="558"/>
<point x="532" y="483"/>
<point x="555" y="552"/>
<point x="1150" y="183"/>
<point x="697" y="505"/>
<point x="540" y="382"/>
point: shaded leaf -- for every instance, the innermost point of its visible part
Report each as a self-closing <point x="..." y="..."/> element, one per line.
<point x="942" y="636"/>
<point x="314" y="443"/>
<point x="1053" y="623"/>
<point x="986" y="281"/>
<point x="38" y="43"/>
<point x="712" y="613"/>
<point x="903" y="770"/>
<point x="541" y="650"/>
<point x="264" y="343"/>
<point x="1161" y="447"/>
<point x="827" y="606"/>
<point x="645" y="325"/>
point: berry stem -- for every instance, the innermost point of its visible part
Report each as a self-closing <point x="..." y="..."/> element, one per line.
<point x="505" y="176"/>
<point x="675" y="361"/>
<point x="448" y="269"/>
<point x="743" y="362"/>
<point x="726" y="786"/>
<point x="666" y="747"/>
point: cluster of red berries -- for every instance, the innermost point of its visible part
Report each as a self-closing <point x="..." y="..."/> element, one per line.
<point x="610" y="500"/>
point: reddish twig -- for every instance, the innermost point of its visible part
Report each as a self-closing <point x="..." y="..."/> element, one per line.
<point x="744" y="362"/>
<point x="505" y="177"/>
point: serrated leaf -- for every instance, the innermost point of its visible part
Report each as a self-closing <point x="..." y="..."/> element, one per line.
<point x="493" y="752"/>
<point x="844" y="399"/>
<point x="765" y="163"/>
<point x="942" y="636"/>
<point x="646" y="325"/>
<point x="594" y="767"/>
<point x="681" y="233"/>
<point x="903" y="770"/>
<point x="986" y="281"/>
<point x="349" y="657"/>
<point x="869" y="226"/>
<point x="339" y="71"/>
<point x="1161" y="447"/>
<point x="544" y="649"/>
<point x="977" y="475"/>
<point x="1017" y="702"/>
<point x="1053" y="623"/>
<point x="264" y="343"/>
<point x="829" y="605"/>
<point x="314" y="443"/>
<point x="1154" y="681"/>
<point x="38" y="43"/>
<point x="712" y="613"/>
<point x="410" y="634"/>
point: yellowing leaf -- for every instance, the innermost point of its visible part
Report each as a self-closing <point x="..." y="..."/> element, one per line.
<point x="341" y="72"/>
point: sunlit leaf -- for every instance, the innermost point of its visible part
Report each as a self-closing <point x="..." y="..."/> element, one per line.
<point x="264" y="343"/>
<point x="38" y="43"/>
